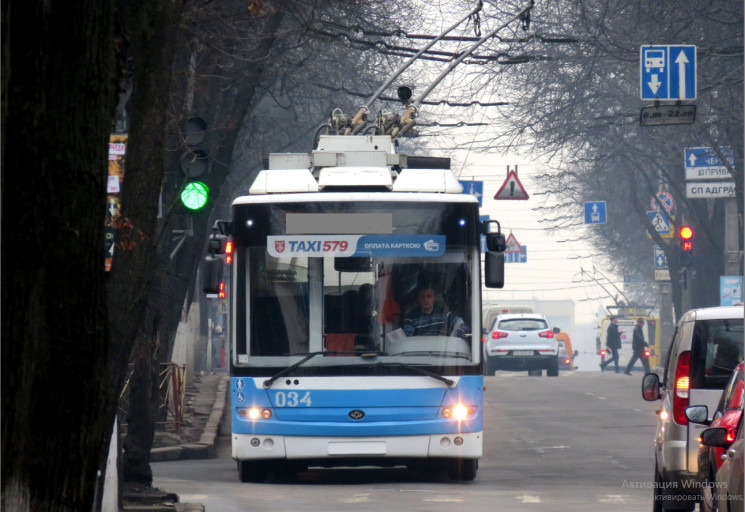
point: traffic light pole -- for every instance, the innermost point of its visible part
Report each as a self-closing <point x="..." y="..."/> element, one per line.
<point x="732" y="230"/>
<point x="685" y="295"/>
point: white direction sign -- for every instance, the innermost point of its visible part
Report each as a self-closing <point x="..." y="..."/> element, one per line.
<point x="710" y="189"/>
<point x="667" y="72"/>
<point x="704" y="163"/>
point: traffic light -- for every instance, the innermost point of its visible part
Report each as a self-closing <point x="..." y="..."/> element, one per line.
<point x="195" y="195"/>
<point x="195" y="163"/>
<point x="686" y="245"/>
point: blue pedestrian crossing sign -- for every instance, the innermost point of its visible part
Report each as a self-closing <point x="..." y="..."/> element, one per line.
<point x="667" y="72"/>
<point x="661" y="223"/>
<point x="595" y="212"/>
<point x="474" y="188"/>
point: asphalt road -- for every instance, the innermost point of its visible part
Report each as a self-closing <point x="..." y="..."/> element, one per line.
<point x="579" y="442"/>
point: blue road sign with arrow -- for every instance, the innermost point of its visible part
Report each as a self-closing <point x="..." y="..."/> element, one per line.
<point x="517" y="257"/>
<point x="703" y="163"/>
<point x="595" y="212"/>
<point x="474" y="188"/>
<point x="660" y="260"/>
<point x="667" y="72"/>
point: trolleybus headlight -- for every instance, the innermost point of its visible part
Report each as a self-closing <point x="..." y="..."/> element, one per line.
<point x="254" y="413"/>
<point x="458" y="412"/>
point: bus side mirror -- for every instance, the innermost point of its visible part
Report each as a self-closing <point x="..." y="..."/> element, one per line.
<point x="494" y="269"/>
<point x="213" y="268"/>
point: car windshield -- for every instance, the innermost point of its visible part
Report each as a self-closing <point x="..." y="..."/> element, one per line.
<point x="523" y="324"/>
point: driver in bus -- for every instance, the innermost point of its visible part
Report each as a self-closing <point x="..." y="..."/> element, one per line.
<point x="431" y="317"/>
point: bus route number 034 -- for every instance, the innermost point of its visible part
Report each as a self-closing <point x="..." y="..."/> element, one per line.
<point x="291" y="399"/>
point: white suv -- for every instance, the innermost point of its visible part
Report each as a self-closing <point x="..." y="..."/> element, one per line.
<point x="518" y="342"/>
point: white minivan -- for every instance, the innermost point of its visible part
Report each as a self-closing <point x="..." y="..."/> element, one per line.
<point x="707" y="345"/>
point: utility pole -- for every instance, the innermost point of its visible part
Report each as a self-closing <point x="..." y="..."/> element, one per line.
<point x="732" y="229"/>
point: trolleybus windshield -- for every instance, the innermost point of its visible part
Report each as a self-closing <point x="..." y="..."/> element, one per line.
<point x="343" y="278"/>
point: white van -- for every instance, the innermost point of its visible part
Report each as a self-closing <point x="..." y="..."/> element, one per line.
<point x="694" y="374"/>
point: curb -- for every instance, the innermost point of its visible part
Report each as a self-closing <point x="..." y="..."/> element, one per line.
<point x="205" y="448"/>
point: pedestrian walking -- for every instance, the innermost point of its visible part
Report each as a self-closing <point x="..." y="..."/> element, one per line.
<point x="639" y="346"/>
<point x="613" y="342"/>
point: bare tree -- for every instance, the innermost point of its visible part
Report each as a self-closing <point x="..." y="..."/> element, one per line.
<point x="573" y="99"/>
<point x="227" y="63"/>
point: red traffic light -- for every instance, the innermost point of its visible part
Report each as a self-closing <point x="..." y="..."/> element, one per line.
<point x="686" y="238"/>
<point x="685" y="232"/>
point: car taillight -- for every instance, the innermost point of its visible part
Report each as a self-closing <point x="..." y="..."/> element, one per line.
<point x="498" y="334"/>
<point x="546" y="334"/>
<point x="682" y="385"/>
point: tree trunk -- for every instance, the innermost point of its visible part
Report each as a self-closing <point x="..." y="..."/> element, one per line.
<point x="150" y="56"/>
<point x="173" y="276"/>
<point x="59" y="397"/>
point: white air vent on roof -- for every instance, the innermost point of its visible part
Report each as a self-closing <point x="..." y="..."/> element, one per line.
<point x="284" y="181"/>
<point x="354" y="177"/>
<point x="427" y="180"/>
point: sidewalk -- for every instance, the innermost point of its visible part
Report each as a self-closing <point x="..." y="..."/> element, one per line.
<point x="204" y="407"/>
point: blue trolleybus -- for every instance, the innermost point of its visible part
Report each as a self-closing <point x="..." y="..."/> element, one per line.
<point x="331" y="362"/>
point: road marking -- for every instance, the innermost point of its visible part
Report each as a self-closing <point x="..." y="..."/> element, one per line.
<point x="541" y="449"/>
<point x="614" y="499"/>
<point x="356" y="498"/>
<point x="444" y="499"/>
<point x="596" y="396"/>
<point x="529" y="498"/>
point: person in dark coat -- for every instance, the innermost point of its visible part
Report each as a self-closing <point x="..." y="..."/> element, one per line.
<point x="613" y="342"/>
<point x="639" y="346"/>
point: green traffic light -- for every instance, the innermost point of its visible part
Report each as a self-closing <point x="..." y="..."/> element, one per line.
<point x="194" y="195"/>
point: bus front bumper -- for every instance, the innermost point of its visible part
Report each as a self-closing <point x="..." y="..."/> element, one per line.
<point x="458" y="445"/>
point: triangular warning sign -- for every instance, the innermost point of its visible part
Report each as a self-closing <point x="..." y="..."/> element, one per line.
<point x="512" y="244"/>
<point x="511" y="188"/>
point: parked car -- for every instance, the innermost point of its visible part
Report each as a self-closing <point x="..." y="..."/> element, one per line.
<point x="727" y="415"/>
<point x="518" y="342"/>
<point x="728" y="486"/>
<point x="566" y="354"/>
<point x="693" y="375"/>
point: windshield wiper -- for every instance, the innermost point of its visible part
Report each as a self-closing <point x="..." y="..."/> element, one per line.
<point x="420" y="371"/>
<point x="438" y="353"/>
<point x="362" y="353"/>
